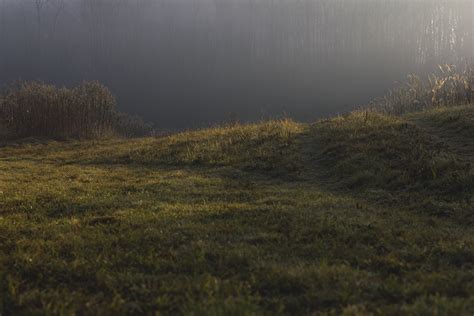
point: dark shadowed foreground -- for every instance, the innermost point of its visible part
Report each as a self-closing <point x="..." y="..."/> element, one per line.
<point x="358" y="214"/>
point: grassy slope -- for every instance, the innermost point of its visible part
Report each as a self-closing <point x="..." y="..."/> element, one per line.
<point x="356" y="214"/>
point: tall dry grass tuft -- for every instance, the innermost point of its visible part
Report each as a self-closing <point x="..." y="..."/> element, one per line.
<point x="35" y="109"/>
<point x="449" y="87"/>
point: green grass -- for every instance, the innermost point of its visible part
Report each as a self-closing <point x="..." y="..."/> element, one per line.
<point x="356" y="215"/>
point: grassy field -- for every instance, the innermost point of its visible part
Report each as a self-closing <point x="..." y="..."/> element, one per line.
<point x="355" y="215"/>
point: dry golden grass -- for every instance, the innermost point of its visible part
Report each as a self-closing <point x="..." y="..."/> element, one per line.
<point x="449" y="87"/>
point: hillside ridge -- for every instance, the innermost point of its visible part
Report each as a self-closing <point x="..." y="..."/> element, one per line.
<point x="360" y="214"/>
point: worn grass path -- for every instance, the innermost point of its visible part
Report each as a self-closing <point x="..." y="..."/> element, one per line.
<point x="356" y="215"/>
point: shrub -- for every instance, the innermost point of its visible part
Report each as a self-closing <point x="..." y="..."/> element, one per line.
<point x="132" y="126"/>
<point x="35" y="109"/>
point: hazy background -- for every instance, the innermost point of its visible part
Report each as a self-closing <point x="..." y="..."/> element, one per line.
<point x="189" y="63"/>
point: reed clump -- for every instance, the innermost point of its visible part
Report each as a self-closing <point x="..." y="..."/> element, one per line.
<point x="36" y="109"/>
<point x="451" y="86"/>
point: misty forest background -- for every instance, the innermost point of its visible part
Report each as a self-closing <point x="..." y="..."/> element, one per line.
<point x="188" y="63"/>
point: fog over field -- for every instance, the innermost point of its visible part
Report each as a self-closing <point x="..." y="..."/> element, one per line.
<point x="190" y="63"/>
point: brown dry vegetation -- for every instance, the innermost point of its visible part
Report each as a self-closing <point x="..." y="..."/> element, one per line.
<point x="34" y="109"/>
<point x="451" y="86"/>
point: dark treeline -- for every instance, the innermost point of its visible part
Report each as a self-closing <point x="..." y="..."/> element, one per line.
<point x="182" y="63"/>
